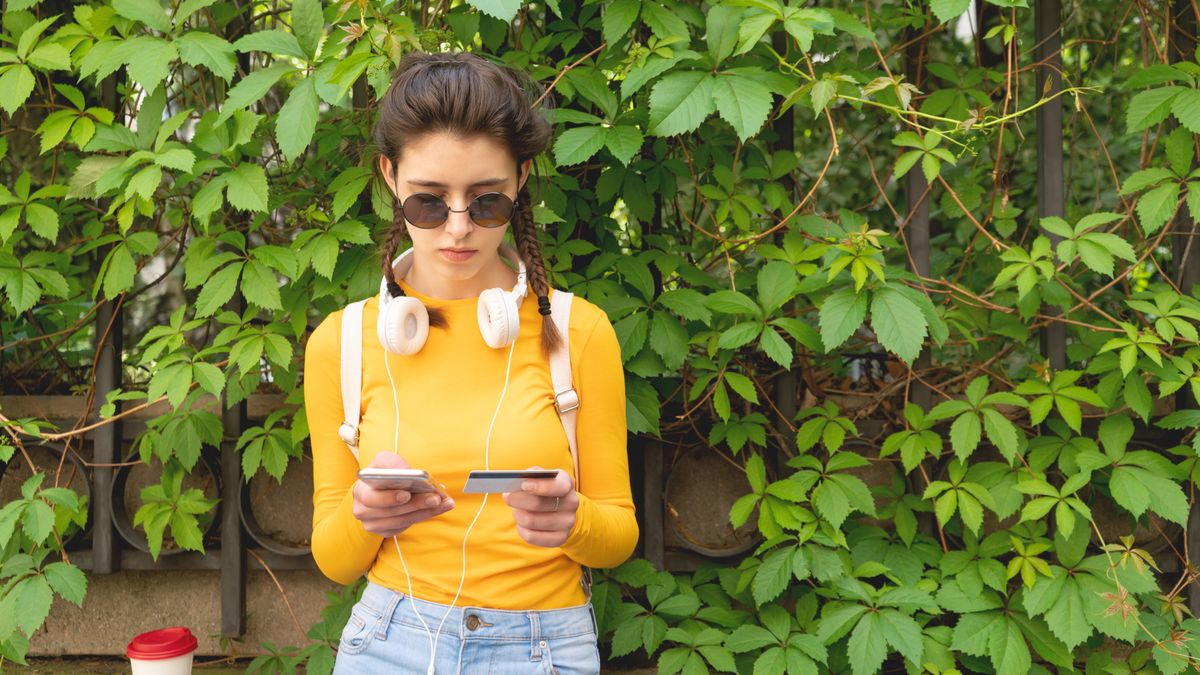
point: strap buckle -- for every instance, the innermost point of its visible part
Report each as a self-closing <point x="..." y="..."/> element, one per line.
<point x="565" y="401"/>
<point x="348" y="434"/>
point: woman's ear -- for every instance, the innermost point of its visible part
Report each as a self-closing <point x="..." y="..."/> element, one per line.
<point x="389" y="176"/>
<point x="525" y="167"/>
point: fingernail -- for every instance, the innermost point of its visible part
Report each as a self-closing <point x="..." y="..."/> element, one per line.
<point x="433" y="500"/>
<point x="527" y="486"/>
<point x="402" y="497"/>
<point x="450" y="503"/>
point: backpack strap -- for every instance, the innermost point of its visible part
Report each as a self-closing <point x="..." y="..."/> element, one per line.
<point x="351" y="370"/>
<point x="566" y="399"/>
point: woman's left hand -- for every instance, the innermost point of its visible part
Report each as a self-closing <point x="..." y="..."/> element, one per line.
<point x="544" y="509"/>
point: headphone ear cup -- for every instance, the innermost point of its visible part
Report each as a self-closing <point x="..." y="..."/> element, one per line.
<point x="499" y="322"/>
<point x="403" y="325"/>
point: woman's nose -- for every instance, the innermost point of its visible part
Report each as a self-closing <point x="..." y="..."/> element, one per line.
<point x="459" y="223"/>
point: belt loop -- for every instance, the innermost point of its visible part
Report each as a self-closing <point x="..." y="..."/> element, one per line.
<point x="385" y="615"/>
<point x="535" y="637"/>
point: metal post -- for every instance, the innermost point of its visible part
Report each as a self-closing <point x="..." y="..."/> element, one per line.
<point x="233" y="550"/>
<point x="106" y="440"/>
<point x="1050" y="190"/>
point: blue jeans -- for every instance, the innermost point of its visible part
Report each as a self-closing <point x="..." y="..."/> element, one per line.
<point x="384" y="636"/>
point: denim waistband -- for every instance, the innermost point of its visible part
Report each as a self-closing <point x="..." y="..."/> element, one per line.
<point x="477" y="623"/>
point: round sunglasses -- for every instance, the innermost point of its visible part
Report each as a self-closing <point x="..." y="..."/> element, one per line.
<point x="427" y="211"/>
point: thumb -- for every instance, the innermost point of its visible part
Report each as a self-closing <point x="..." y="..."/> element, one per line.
<point x="386" y="459"/>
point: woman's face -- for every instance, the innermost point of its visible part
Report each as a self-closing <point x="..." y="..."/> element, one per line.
<point x="457" y="170"/>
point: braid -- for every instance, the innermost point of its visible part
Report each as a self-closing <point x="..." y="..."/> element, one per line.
<point x="391" y="244"/>
<point x="525" y="234"/>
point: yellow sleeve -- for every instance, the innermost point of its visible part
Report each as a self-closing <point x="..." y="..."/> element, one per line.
<point x="342" y="549"/>
<point x="605" y="530"/>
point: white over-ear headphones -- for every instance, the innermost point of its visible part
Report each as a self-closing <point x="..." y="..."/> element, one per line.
<point x="403" y="324"/>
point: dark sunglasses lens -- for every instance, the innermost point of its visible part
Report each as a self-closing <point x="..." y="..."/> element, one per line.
<point x="425" y="210"/>
<point x="491" y="210"/>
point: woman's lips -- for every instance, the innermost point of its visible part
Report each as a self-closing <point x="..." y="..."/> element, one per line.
<point x="457" y="255"/>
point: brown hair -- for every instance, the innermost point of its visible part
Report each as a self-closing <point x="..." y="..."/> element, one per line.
<point x="466" y="95"/>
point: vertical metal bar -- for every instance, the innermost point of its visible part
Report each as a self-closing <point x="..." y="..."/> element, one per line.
<point x="1051" y="192"/>
<point x="106" y="440"/>
<point x="917" y="233"/>
<point x="233" y="550"/>
<point x="652" y="457"/>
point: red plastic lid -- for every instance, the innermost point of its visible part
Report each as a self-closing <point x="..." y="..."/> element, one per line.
<point x="164" y="643"/>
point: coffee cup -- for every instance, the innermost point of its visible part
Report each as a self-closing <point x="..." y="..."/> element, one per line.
<point x="167" y="651"/>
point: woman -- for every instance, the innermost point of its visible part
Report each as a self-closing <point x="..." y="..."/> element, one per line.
<point x="467" y="584"/>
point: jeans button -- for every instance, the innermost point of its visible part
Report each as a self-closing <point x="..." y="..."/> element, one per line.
<point x="472" y="622"/>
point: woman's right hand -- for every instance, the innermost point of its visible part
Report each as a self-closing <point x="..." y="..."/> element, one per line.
<point x="390" y="512"/>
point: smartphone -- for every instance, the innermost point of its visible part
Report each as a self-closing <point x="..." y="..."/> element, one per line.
<point x="503" y="481"/>
<point x="416" y="481"/>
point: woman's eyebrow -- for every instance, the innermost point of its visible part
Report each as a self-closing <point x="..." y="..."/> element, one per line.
<point x="480" y="183"/>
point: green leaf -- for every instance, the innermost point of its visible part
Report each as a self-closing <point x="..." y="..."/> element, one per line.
<point x="16" y="84"/>
<point x="307" y="24"/>
<point x="260" y="285"/>
<point x="218" y="290"/>
<point x="579" y="144"/>
<point x="776" y="285"/>
<point x="663" y="22"/>
<point x="34" y="602"/>
<point x="679" y="102"/>
<point x="899" y="324"/>
<point x="867" y="647"/>
<point x="504" y="10"/>
<point x="270" y="42"/>
<point x="903" y="633"/>
<point x="772" y="576"/>
<point x="1150" y="107"/>
<point x="248" y="188"/>
<point x="721" y="30"/>
<point x="775" y="347"/>
<point x="619" y="16"/>
<point x="1155" y="208"/>
<point x="739" y="335"/>
<point x="38" y="521"/>
<point x="742" y="102"/>
<point x="1007" y="648"/>
<point x="250" y="89"/>
<point x="669" y="340"/>
<point x="119" y="271"/>
<point x="149" y="12"/>
<point x="296" y="122"/>
<point x="200" y="48"/>
<point x="732" y="302"/>
<point x="748" y="637"/>
<point x="841" y="314"/>
<point x="945" y="10"/>
<point x="1067" y="618"/>
<point x="66" y="580"/>
<point x="623" y="141"/>
<point x="1186" y="107"/>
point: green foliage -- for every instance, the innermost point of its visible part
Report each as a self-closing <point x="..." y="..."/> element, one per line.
<point x="206" y="163"/>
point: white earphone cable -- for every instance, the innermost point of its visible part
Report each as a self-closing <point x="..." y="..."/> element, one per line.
<point x="433" y="636"/>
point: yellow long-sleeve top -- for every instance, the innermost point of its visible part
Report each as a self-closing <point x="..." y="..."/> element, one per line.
<point x="447" y="395"/>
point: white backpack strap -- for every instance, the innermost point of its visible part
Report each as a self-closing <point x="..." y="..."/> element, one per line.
<point x="566" y="399"/>
<point x="351" y="367"/>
